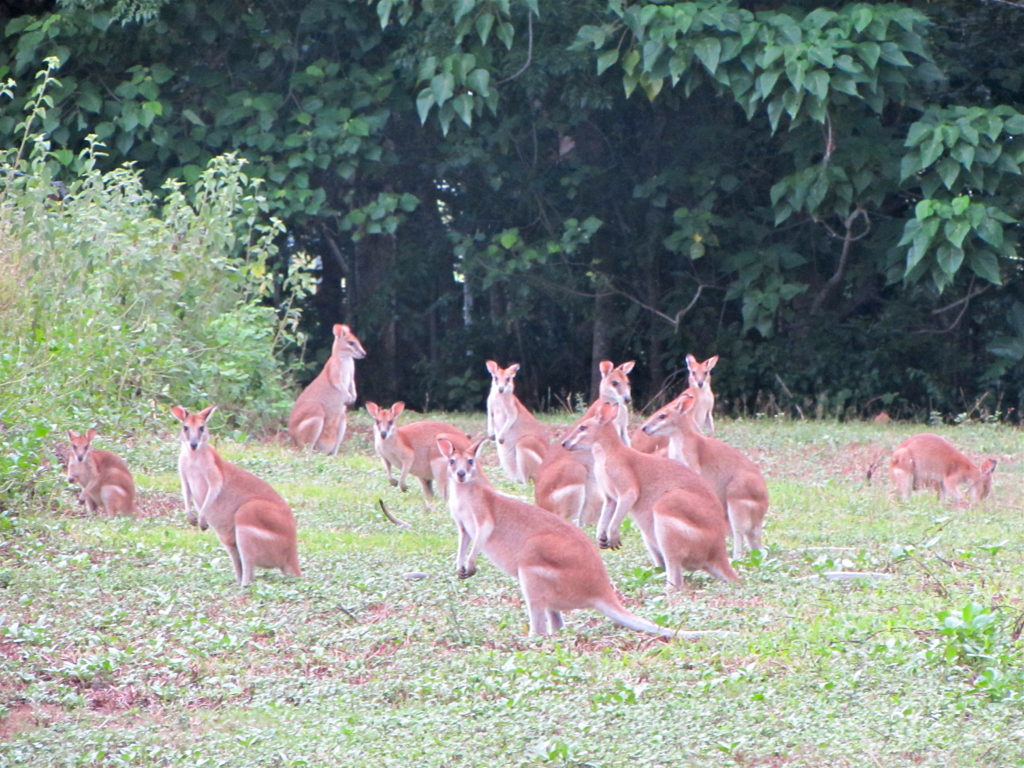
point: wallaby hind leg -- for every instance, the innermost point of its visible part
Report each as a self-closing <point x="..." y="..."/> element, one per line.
<point x="115" y="500"/>
<point x="555" y="621"/>
<point x="427" y="487"/>
<point x="307" y="432"/>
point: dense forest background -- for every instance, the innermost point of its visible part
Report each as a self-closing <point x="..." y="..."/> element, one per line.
<point x="827" y="196"/>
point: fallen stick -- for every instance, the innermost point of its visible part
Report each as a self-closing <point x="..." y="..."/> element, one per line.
<point x="392" y="518"/>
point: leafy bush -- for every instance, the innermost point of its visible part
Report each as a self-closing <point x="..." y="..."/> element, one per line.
<point x="116" y="303"/>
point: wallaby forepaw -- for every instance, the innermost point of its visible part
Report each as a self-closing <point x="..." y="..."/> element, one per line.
<point x="465" y="573"/>
<point x="393" y="482"/>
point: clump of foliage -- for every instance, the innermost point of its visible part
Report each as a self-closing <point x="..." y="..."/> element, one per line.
<point x="116" y="302"/>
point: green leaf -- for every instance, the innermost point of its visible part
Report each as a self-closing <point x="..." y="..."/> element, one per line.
<point x="892" y="54"/>
<point x="709" y="51"/>
<point x="1014" y="125"/>
<point x="508" y="238"/>
<point x="483" y="24"/>
<point x="463" y="106"/>
<point x="606" y="59"/>
<point x="985" y="265"/>
<point x="357" y="126"/>
<point x="443" y="87"/>
<point x="462" y="7"/>
<point x="817" y="84"/>
<point x="506" y="33"/>
<point x="424" y="102"/>
<point x="956" y="231"/>
<point x="949" y="258"/>
<point x="479" y="81"/>
<point x="964" y="154"/>
<point x="960" y="204"/>
<point x="917" y="133"/>
<point x="948" y="169"/>
<point x="990" y="231"/>
<point x="924" y="209"/>
<point x="869" y="53"/>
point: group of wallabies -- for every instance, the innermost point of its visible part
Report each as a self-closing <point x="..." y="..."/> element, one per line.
<point x="685" y="490"/>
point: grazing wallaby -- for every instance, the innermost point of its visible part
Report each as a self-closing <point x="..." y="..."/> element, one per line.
<point x="929" y="461"/>
<point x="679" y="516"/>
<point x="615" y="389"/>
<point x="557" y="566"/>
<point x="255" y="525"/>
<point x="735" y="478"/>
<point x="106" y="482"/>
<point x="522" y="440"/>
<point x="317" y="420"/>
<point x="412" y="448"/>
<point x="700" y="383"/>
<point x="565" y="484"/>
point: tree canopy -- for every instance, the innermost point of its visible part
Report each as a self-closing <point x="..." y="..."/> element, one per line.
<point x="826" y="196"/>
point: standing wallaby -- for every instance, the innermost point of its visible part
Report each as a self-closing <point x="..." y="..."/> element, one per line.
<point x="679" y="516"/>
<point x="735" y="478"/>
<point x="317" y="420"/>
<point x="929" y="461"/>
<point x="412" y="448"/>
<point x="255" y="525"/>
<point x="615" y="388"/>
<point x="557" y="566"/>
<point x="700" y="383"/>
<point x="522" y="440"/>
<point x="106" y="482"/>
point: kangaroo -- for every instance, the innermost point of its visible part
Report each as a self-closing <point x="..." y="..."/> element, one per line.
<point x="106" y="482"/>
<point x="317" y="420"/>
<point x="557" y="566"/>
<point x="680" y="518"/>
<point x="254" y="524"/>
<point x="735" y="479"/>
<point x="412" y="448"/>
<point x="700" y="383"/>
<point x="929" y="461"/>
<point x="522" y="440"/>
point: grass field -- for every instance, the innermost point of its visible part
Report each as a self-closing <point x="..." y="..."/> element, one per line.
<point x="125" y="642"/>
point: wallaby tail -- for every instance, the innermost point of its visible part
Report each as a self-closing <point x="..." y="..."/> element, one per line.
<point x="624" y="618"/>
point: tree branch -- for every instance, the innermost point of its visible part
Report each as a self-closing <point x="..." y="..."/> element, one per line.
<point x="848" y="240"/>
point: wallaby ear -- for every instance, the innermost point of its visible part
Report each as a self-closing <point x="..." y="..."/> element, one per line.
<point x="474" y="447"/>
<point x="711" y="361"/>
<point x="205" y="413"/>
<point x="72" y="434"/>
<point x="445" y="446"/>
<point x="339" y="329"/>
<point x="90" y="433"/>
<point x="988" y="466"/>
<point x="179" y="413"/>
<point x="513" y="369"/>
<point x="397" y="408"/>
<point x="691" y="362"/>
<point x="627" y="367"/>
<point x="492" y="367"/>
<point x="607" y="412"/>
<point x="372" y="408"/>
<point x="684" y="402"/>
<point x="605" y="366"/>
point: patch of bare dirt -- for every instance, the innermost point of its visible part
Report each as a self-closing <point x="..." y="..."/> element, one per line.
<point x="26" y="717"/>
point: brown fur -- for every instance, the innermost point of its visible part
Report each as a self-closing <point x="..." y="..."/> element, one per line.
<point x="735" y="479"/>
<point x="255" y="525"/>
<point x="412" y="448"/>
<point x="106" y="481"/>
<point x="318" y="418"/>
<point x="929" y="461"/>
<point x="679" y="516"/>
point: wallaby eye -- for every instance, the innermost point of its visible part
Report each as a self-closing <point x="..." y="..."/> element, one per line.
<point x="184" y="428"/>
<point x="583" y="428"/>
<point x="202" y="428"/>
<point x="451" y="462"/>
<point x="469" y="462"/>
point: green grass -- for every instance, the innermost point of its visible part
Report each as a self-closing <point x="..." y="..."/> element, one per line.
<point x="126" y="641"/>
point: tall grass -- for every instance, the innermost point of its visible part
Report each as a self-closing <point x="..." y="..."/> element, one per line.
<point x="116" y="302"/>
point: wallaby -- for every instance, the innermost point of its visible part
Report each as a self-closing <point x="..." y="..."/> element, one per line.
<point x="412" y="448"/>
<point x="522" y="440"/>
<point x="565" y="484"/>
<point x="106" y="481"/>
<point x="502" y="380"/>
<point x="255" y="525"/>
<point x="317" y="420"/>
<point x="679" y="516"/>
<point x="735" y="478"/>
<point x="929" y="461"/>
<point x="557" y="566"/>
<point x="700" y="383"/>
<point x="615" y="388"/>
